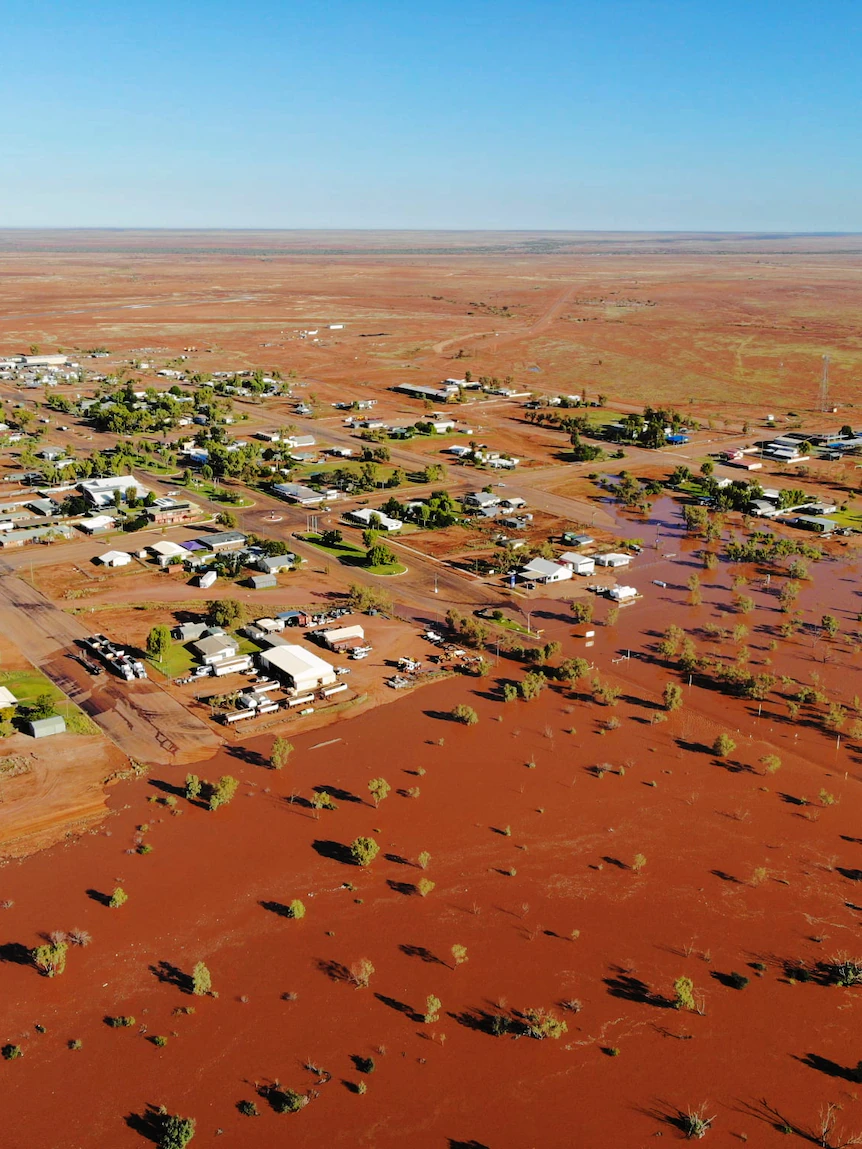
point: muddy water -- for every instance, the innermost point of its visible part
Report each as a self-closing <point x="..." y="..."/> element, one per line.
<point x="529" y="842"/>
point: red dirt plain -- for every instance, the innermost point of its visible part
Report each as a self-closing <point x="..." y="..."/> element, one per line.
<point x="745" y="872"/>
<point x="732" y="319"/>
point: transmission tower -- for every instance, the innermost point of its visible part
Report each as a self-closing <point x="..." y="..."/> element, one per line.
<point x="824" y="385"/>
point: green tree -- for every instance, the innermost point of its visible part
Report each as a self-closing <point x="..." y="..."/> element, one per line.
<point x="379" y="789"/>
<point x="226" y="519"/>
<point x="201" y="980"/>
<point x="532" y="685"/>
<point x="118" y="898"/>
<point x="296" y="909"/>
<point x="228" y="613"/>
<point x="683" y="989"/>
<point x="432" y="1009"/>
<point x="582" y="611"/>
<point x="465" y="714"/>
<point x="223" y="791"/>
<point x="723" y="746"/>
<point x="43" y="707"/>
<point x="159" y="642"/>
<point x="829" y="624"/>
<point x="364" y="851"/>
<point x="176" y="1132"/>
<point x="193" y="787"/>
<point x="380" y="556"/>
<point x="510" y="692"/>
<point x="280" y="753"/>
<point x="50" y="958"/>
<point x="672" y="696"/>
<point x="771" y="763"/>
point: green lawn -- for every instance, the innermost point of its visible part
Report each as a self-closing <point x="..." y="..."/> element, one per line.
<point x="177" y="662"/>
<point x="28" y="685"/>
<point x="350" y="555"/>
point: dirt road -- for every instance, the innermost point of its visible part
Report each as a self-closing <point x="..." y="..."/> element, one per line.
<point x="142" y="719"/>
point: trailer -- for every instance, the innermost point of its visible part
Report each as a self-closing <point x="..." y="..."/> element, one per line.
<point x="301" y="701"/>
<point x="270" y="708"/>
<point x="207" y="580"/>
<point x="237" y="715"/>
<point x="330" y="690"/>
<point x="232" y="665"/>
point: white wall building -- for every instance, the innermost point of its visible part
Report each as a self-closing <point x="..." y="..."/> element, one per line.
<point x="302" y="670"/>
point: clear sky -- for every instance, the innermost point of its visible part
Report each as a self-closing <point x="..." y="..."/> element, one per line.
<point x="564" y="114"/>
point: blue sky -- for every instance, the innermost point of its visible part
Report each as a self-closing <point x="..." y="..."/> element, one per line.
<point x="614" y="114"/>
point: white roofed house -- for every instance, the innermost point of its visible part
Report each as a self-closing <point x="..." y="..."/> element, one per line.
<point x="374" y="519"/>
<point x="97" y="524"/>
<point x="114" y="558"/>
<point x="101" y="492"/>
<point x="545" y="571"/>
<point x="215" y="648"/>
<point x="613" y="560"/>
<point x="580" y="564"/>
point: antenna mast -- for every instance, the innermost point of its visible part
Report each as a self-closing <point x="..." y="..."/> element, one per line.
<point x="824" y="385"/>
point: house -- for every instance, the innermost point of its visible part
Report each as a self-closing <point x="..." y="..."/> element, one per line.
<point x="572" y="540"/>
<point x="481" y="499"/>
<point x="613" y="560"/>
<point x="18" y="538"/>
<point x="545" y="571"/>
<point x="215" y="648"/>
<point x="45" y="727"/>
<point x="269" y="625"/>
<point x="342" y="637"/>
<point x="166" y="511"/>
<point x="297" y="493"/>
<point x="114" y="558"/>
<point x="817" y="523"/>
<point x="376" y="520"/>
<point x="164" y="551"/>
<point x="42" y="506"/>
<point x="262" y="581"/>
<point x="514" y="522"/>
<point x="272" y="564"/>
<point x="222" y="541"/>
<point x="101" y="492"/>
<point x="514" y="503"/>
<point x="580" y="564"/>
<point x="299" y="441"/>
<point x="7" y="698"/>
<point x="51" y="454"/>
<point x="96" y="525"/>
<point x="189" y="631"/>
<point x="302" y="670"/>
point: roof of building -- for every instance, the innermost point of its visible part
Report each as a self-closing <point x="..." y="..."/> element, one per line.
<point x="259" y="581"/>
<point x="223" y="539"/>
<point x="542" y="568"/>
<point x="215" y="644"/>
<point x="39" y="727"/>
<point x="7" y="698"/>
<point x="296" y="661"/>
<point x="166" y="548"/>
<point x="96" y="523"/>
<point x="114" y="558"/>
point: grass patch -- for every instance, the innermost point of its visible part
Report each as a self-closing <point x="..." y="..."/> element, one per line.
<point x="177" y="662"/>
<point x="28" y="685"/>
<point x="350" y="555"/>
